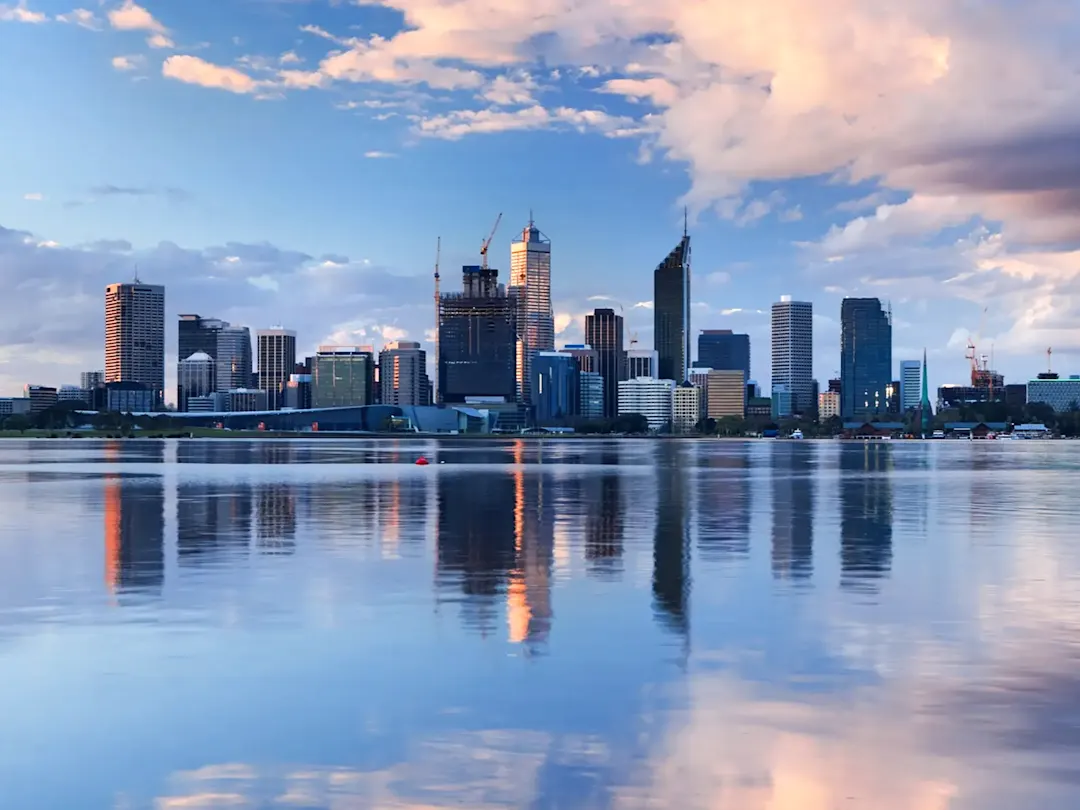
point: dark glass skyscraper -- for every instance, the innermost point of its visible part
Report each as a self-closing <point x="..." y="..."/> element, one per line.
<point x="671" y="312"/>
<point x="865" y="358"/>
<point x="604" y="332"/>
<point x="722" y="350"/>
<point x="478" y="336"/>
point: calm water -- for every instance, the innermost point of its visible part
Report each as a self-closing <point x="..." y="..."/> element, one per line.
<point x="754" y="626"/>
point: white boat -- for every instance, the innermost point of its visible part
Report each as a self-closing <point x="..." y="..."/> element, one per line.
<point x="796" y="434"/>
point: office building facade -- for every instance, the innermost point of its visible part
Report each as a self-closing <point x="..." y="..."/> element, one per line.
<point x="556" y="387"/>
<point x="478" y="337"/>
<point x="671" y="313"/>
<point x="194" y="378"/>
<point x="604" y="332"/>
<point x="584" y="355"/>
<point x="277" y="359"/>
<point x="723" y="350"/>
<point x="641" y="363"/>
<point x="829" y="405"/>
<point x="865" y="358"/>
<point x="793" y="352"/>
<point x="298" y="392"/>
<point x="10" y="406"/>
<point x="403" y="377"/>
<point x="89" y="380"/>
<point x="726" y="394"/>
<point x="782" y="402"/>
<point x="343" y="376"/>
<point x="195" y="333"/>
<point x="687" y="407"/>
<point x="652" y="398"/>
<point x="42" y="397"/>
<point x="591" y="395"/>
<point x="233" y="361"/>
<point x="1060" y="394"/>
<point x="910" y="384"/>
<point x="530" y="282"/>
<point x="135" y="336"/>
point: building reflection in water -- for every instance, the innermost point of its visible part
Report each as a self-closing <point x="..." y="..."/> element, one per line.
<point x="476" y="543"/>
<point x="671" y="542"/>
<point x="528" y="598"/>
<point x="275" y="518"/>
<point x="604" y="520"/>
<point x="212" y="519"/>
<point x="866" y="514"/>
<point x="724" y="498"/>
<point x="134" y="533"/>
<point x="793" y="494"/>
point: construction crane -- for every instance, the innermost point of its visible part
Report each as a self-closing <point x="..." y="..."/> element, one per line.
<point x="487" y="242"/>
<point x="1049" y="358"/>
<point x="972" y="355"/>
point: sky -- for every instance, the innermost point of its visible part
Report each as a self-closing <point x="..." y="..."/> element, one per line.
<point x="292" y="162"/>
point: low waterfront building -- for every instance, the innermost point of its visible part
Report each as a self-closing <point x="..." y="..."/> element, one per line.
<point x="649" y="397"/>
<point x="125" y="396"/>
<point x="688" y="407"/>
<point x="72" y="393"/>
<point x="974" y="430"/>
<point x="246" y="400"/>
<point x="828" y="405"/>
<point x="1060" y="394"/>
<point x="873" y="430"/>
<point x="9" y="406"/>
<point x="41" y="397"/>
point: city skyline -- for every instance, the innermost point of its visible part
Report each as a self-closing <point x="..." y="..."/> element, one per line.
<point x="916" y="175"/>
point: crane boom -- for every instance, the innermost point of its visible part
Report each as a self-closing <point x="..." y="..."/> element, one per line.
<point x="487" y="242"/>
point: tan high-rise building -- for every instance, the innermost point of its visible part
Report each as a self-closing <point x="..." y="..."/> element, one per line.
<point x="726" y="394"/>
<point x="135" y="335"/>
<point x="403" y="378"/>
<point x="530" y="278"/>
<point x="277" y="360"/>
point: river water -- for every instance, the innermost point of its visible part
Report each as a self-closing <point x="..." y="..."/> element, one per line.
<point x="558" y="624"/>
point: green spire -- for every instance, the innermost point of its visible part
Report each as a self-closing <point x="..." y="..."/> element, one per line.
<point x="926" y="412"/>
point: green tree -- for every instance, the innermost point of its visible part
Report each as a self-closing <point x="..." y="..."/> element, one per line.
<point x="17" y="421"/>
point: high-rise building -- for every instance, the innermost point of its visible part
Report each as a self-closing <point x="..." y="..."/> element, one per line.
<point x="671" y="312"/>
<point x="135" y="335"/>
<point x="89" y="380"/>
<point x="343" y="376"/>
<point x="195" y="333"/>
<point x="652" y="398"/>
<point x="793" y="352"/>
<point x="556" y="387"/>
<point x="277" y="358"/>
<point x="584" y="355"/>
<point x="194" y="378"/>
<point x="726" y="393"/>
<point x="604" y="332"/>
<point x="865" y="358"/>
<point x="687" y="407"/>
<point x="910" y="381"/>
<point x="403" y="378"/>
<point x="530" y="280"/>
<point x="591" y="402"/>
<point x="723" y="350"/>
<point x="641" y="363"/>
<point x="42" y="397"/>
<point x="298" y="392"/>
<point x="478" y="339"/>
<point x="783" y="402"/>
<point x="232" y="358"/>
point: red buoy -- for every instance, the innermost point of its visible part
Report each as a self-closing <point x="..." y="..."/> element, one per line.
<point x="422" y="461"/>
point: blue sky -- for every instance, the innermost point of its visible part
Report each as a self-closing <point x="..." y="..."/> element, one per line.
<point x="293" y="161"/>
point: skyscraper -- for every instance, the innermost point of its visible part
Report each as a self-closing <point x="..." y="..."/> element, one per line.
<point x="277" y="359"/>
<point x="865" y="358"/>
<point x="135" y="335"/>
<point x="722" y="350"/>
<point x="232" y="358"/>
<point x="530" y="280"/>
<point x="910" y="380"/>
<point x="197" y="335"/>
<point x="641" y="363"/>
<point x="403" y="378"/>
<point x="604" y="332"/>
<point x="793" y="352"/>
<point x="343" y="376"/>
<point x="671" y="312"/>
<point x="478" y="339"/>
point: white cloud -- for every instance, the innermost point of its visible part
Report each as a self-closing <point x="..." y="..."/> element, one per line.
<point x="21" y="13"/>
<point x="34" y="196"/>
<point x="193" y="70"/>
<point x="375" y="154"/>
<point x="133" y="62"/>
<point x="509" y="91"/>
<point x="289" y="58"/>
<point x="132" y="17"/>
<point x="458" y="124"/>
<point x="84" y="18"/>
<point x="160" y="41"/>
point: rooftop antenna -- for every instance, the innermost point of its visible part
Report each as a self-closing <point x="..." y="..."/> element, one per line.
<point x="137" y="275"/>
<point x="685" y="222"/>
<point x="1049" y="357"/>
<point x="435" y="383"/>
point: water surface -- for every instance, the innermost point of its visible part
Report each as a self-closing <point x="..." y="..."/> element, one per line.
<point x="578" y="624"/>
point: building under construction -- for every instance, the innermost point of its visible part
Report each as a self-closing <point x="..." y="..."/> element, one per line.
<point x="478" y="333"/>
